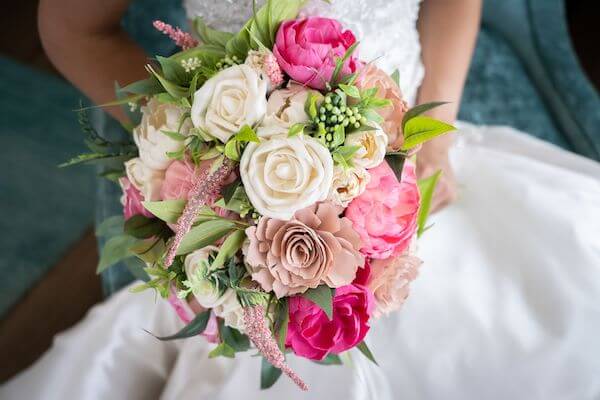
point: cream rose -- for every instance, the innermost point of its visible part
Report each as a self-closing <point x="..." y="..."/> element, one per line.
<point x="152" y="143"/>
<point x="348" y="184"/>
<point x="282" y="175"/>
<point x="285" y="108"/>
<point x="145" y="179"/>
<point x="235" y="97"/>
<point x="231" y="310"/>
<point x="207" y="292"/>
<point x="373" y="145"/>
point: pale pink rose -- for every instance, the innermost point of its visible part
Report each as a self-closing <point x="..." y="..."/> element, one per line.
<point x="371" y="77"/>
<point x="180" y="176"/>
<point x="385" y="215"/>
<point x="314" y="247"/>
<point x="132" y="200"/>
<point x="306" y="49"/>
<point x="312" y="335"/>
<point x="389" y="281"/>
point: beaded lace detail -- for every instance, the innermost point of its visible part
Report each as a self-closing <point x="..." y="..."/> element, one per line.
<point x="386" y="28"/>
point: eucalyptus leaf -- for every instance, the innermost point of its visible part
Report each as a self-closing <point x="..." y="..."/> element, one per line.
<point x="421" y="129"/>
<point x="268" y="374"/>
<point x="167" y="210"/>
<point x="322" y="296"/>
<point x="420" y="109"/>
<point x="195" y="327"/>
<point x="364" y="349"/>
<point x="426" y="189"/>
<point x="115" y="250"/>
<point x="204" y="235"/>
<point x="230" y="246"/>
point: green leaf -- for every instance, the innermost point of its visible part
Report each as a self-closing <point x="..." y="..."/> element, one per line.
<point x="396" y="163"/>
<point x="283" y="323"/>
<point x="323" y="297"/>
<point x="222" y="350"/>
<point x="426" y="189"/>
<point x="331" y="359"/>
<point x="268" y="374"/>
<point x="396" y="77"/>
<point x="347" y="151"/>
<point x="111" y="226"/>
<point x="339" y="136"/>
<point x="229" y="190"/>
<point x="147" y="87"/>
<point x="372" y="115"/>
<point x="204" y="235"/>
<point x="211" y="36"/>
<point x="167" y="210"/>
<point x="115" y="250"/>
<point x="195" y="327"/>
<point x="234" y="338"/>
<point x="340" y="63"/>
<point x="174" y="135"/>
<point x="247" y="134"/>
<point x="351" y="91"/>
<point x="232" y="150"/>
<point x="230" y="246"/>
<point x="296" y="129"/>
<point x="142" y="227"/>
<point x="362" y="346"/>
<point x="150" y="250"/>
<point x="171" y="87"/>
<point x="137" y="268"/>
<point x="420" y="109"/>
<point x="311" y="105"/>
<point x="97" y="157"/>
<point x="421" y="129"/>
<point x="173" y="71"/>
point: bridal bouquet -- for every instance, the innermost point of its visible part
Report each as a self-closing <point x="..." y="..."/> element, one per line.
<point x="269" y="189"/>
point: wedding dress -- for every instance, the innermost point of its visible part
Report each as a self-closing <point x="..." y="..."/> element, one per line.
<point x="507" y="304"/>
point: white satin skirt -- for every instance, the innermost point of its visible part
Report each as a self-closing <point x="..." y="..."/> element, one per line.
<point x="507" y="306"/>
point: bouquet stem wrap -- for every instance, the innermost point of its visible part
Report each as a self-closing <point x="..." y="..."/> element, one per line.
<point x="206" y="187"/>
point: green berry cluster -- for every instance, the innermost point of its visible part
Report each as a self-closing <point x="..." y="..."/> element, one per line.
<point x="227" y="62"/>
<point x="334" y="112"/>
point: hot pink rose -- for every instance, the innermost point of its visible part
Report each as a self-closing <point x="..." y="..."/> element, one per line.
<point x="312" y="335"/>
<point x="132" y="200"/>
<point x="306" y="49"/>
<point x="385" y="215"/>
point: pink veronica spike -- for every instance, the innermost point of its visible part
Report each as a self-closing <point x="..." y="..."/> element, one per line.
<point x="181" y="38"/>
<point x="258" y="332"/>
<point x="204" y="191"/>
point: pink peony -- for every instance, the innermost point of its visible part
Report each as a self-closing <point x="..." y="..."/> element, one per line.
<point x="385" y="215"/>
<point x="312" y="335"/>
<point x="132" y="200"/>
<point x="306" y="50"/>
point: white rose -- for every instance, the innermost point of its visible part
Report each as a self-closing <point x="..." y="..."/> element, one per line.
<point x="283" y="175"/>
<point x="145" y="179"/>
<point x="285" y="108"/>
<point x="208" y="293"/>
<point x="152" y="143"/>
<point x="231" y="311"/>
<point x="348" y="184"/>
<point x="235" y="97"/>
<point x="373" y="147"/>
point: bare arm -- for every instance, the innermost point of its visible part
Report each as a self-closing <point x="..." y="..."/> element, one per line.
<point x="448" y="29"/>
<point x="85" y="42"/>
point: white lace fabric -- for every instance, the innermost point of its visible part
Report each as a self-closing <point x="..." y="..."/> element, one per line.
<point x="386" y="29"/>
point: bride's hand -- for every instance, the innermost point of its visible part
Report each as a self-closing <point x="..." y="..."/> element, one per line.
<point x="429" y="161"/>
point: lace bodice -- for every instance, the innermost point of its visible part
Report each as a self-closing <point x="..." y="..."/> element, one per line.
<point x="386" y="29"/>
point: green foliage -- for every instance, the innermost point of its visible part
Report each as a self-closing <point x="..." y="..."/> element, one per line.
<point x="296" y="129"/>
<point x="311" y="105"/>
<point x="149" y="250"/>
<point x="142" y="227"/>
<point x="426" y="189"/>
<point x="421" y="129"/>
<point x="364" y="349"/>
<point x="167" y="210"/>
<point x="115" y="250"/>
<point x="322" y="296"/>
<point x="230" y="246"/>
<point x="204" y="235"/>
<point x="170" y="87"/>
<point x="222" y="350"/>
<point x="247" y="134"/>
<point x="282" y="319"/>
<point x="343" y="155"/>
<point x="211" y="36"/>
<point x="420" y="109"/>
<point x="147" y="87"/>
<point x="268" y="374"/>
<point x="137" y="268"/>
<point x="396" y="77"/>
<point x="233" y="338"/>
<point x="111" y="226"/>
<point x="339" y="63"/>
<point x="396" y="163"/>
<point x="195" y="327"/>
<point x="330" y="359"/>
<point x="350" y="90"/>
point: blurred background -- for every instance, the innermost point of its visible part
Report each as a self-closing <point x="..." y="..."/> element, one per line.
<point x="536" y="67"/>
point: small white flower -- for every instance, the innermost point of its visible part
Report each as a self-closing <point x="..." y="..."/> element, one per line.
<point x="373" y="145"/>
<point x="282" y="175"/>
<point x="145" y="179"/>
<point x="229" y="100"/>
<point x="285" y="108"/>
<point x="152" y="143"/>
<point x="207" y="292"/>
<point x="348" y="183"/>
<point x="191" y="64"/>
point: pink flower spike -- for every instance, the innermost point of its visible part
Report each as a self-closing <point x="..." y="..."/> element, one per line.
<point x="261" y="336"/>
<point x="181" y="38"/>
<point x="204" y="191"/>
